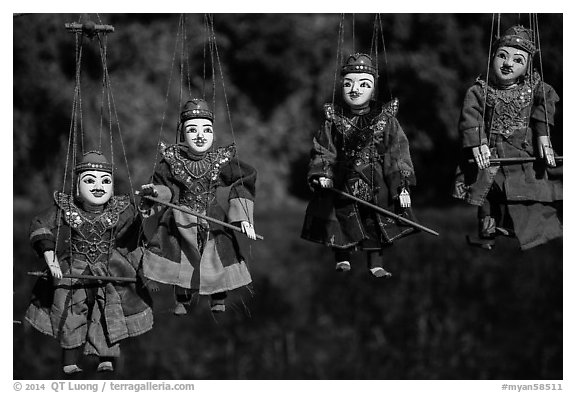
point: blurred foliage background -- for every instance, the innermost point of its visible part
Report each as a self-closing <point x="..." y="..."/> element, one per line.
<point x="449" y="311"/>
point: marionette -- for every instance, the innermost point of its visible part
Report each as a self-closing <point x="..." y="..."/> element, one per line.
<point x="185" y="250"/>
<point x="509" y="168"/>
<point x="93" y="299"/>
<point x="360" y="164"/>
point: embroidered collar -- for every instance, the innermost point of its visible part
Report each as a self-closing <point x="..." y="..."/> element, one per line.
<point x="186" y="169"/>
<point x="75" y="216"/>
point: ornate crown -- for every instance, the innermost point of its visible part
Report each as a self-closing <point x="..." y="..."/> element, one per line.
<point x="517" y="37"/>
<point x="196" y="108"/>
<point x="93" y="161"/>
<point x="359" y="63"/>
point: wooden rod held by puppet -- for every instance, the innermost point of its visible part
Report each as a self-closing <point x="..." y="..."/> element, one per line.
<point x="86" y="277"/>
<point x="89" y="28"/>
<point x="514" y="160"/>
<point x="202" y="216"/>
<point x="384" y="211"/>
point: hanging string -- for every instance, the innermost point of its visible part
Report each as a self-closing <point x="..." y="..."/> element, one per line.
<point x="353" y="35"/>
<point x="482" y="127"/>
<point x="539" y="51"/>
<point x="78" y="114"/>
<point x="340" y="41"/>
<point x="111" y="95"/>
<point x="388" y="85"/>
<point x="166" y="101"/>
<point x="102" y="55"/>
<point x="211" y="47"/>
<point x="212" y="30"/>
<point x="181" y="24"/>
<point x="206" y="42"/>
<point x="102" y="97"/>
<point x="187" y="58"/>
<point x="376" y="61"/>
<point x="105" y="91"/>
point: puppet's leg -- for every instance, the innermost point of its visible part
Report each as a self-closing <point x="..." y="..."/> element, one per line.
<point x="375" y="261"/>
<point x="487" y="216"/>
<point x="100" y="330"/>
<point x="70" y="312"/>
<point x="70" y="360"/>
<point x="183" y="298"/>
<point x="217" y="302"/>
<point x="342" y="258"/>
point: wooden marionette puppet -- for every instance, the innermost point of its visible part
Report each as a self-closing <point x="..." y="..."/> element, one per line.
<point x="90" y="235"/>
<point x="362" y="150"/>
<point x="508" y="116"/>
<point x="184" y="250"/>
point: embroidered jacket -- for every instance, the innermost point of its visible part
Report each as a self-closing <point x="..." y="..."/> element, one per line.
<point x="367" y="156"/>
<point x="509" y="122"/>
<point x="89" y="243"/>
<point x="182" y="246"/>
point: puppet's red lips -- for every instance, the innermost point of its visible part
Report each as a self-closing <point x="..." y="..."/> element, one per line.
<point x="506" y="71"/>
<point x="354" y="95"/>
<point x="98" y="194"/>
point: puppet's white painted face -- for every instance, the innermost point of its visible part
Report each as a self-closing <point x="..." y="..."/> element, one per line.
<point x="509" y="64"/>
<point x="198" y="134"/>
<point x="95" y="187"/>
<point x="357" y="89"/>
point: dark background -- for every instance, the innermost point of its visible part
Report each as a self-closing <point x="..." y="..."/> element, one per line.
<point x="448" y="312"/>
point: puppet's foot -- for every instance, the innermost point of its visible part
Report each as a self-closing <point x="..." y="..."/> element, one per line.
<point x="71" y="369"/>
<point x="487" y="244"/>
<point x="343" y="266"/>
<point x="105" y="367"/>
<point x="380" y="272"/>
<point x="180" y="309"/>
<point x="217" y="305"/>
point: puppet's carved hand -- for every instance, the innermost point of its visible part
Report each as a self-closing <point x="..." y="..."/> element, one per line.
<point x="481" y="156"/>
<point x="146" y="204"/>
<point x="404" y="197"/>
<point x="325" y="182"/>
<point x="53" y="264"/>
<point x="248" y="229"/>
<point x="545" y="150"/>
<point x="148" y="190"/>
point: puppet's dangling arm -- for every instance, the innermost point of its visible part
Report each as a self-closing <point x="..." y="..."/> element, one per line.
<point x="481" y="156"/>
<point x="241" y="178"/>
<point x="43" y="241"/>
<point x="471" y="126"/>
<point x="53" y="264"/>
<point x="545" y="150"/>
<point x="405" y="201"/>
<point x="323" y="157"/>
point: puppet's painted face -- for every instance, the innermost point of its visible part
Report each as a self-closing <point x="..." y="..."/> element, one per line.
<point x="198" y="134"/>
<point x="357" y="89"/>
<point x="509" y="64"/>
<point x="95" y="187"/>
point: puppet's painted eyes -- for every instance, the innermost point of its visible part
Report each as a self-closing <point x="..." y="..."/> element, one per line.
<point x="347" y="84"/>
<point x="191" y="130"/>
<point x="366" y="85"/>
<point x="106" y="180"/>
<point x="208" y="130"/>
<point x="89" y="180"/>
<point x="519" y="60"/>
<point x="501" y="55"/>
